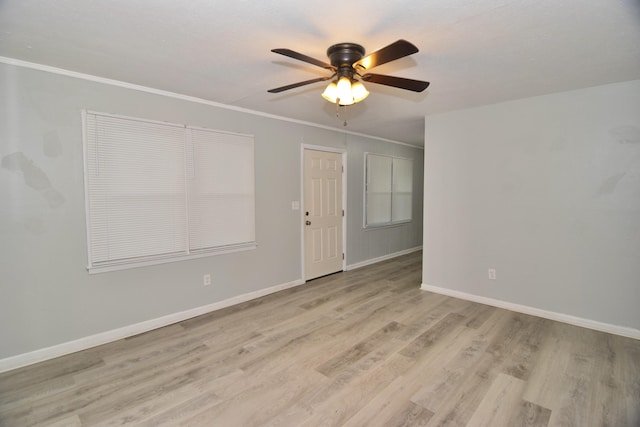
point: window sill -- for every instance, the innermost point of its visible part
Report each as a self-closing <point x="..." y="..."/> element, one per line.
<point x="127" y="264"/>
<point x="378" y="227"/>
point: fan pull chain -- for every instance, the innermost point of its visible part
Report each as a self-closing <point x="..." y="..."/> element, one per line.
<point x="344" y="110"/>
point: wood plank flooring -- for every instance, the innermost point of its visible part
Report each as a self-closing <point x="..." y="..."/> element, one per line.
<point x="360" y="348"/>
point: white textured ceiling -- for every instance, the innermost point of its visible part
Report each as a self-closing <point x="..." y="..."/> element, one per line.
<point x="474" y="52"/>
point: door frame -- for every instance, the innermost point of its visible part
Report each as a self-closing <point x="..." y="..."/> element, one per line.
<point x="343" y="153"/>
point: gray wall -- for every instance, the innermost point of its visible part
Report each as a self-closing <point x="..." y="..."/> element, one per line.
<point x="46" y="295"/>
<point x="547" y="191"/>
<point x="377" y="242"/>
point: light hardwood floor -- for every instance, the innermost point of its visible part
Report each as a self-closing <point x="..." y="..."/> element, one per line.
<point x="360" y="348"/>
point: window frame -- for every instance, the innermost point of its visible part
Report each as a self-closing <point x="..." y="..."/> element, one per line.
<point x="100" y="266"/>
<point x="367" y="225"/>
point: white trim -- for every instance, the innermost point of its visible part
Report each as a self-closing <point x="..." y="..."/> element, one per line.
<point x="84" y="343"/>
<point x="156" y="260"/>
<point x="85" y="113"/>
<point x="344" y="209"/>
<point x="118" y="83"/>
<point x="338" y="150"/>
<point x="624" y="331"/>
<point x="85" y="176"/>
<point x="383" y="258"/>
<point x="302" y="213"/>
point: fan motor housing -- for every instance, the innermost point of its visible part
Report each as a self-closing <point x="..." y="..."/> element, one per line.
<point x="345" y="54"/>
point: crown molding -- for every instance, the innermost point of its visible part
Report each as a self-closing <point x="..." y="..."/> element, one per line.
<point x="174" y="95"/>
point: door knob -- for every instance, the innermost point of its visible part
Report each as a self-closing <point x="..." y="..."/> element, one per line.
<point x="308" y="222"/>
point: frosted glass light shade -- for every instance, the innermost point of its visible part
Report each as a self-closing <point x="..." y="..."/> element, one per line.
<point x="344" y="91"/>
<point x="331" y="93"/>
<point x="358" y="91"/>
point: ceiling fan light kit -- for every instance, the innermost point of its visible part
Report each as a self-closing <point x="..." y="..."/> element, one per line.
<point x="347" y="63"/>
<point x="345" y="91"/>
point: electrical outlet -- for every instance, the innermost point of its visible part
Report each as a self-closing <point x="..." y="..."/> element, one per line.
<point x="492" y="274"/>
<point x="206" y="279"/>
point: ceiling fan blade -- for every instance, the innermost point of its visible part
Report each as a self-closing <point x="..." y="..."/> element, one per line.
<point x="394" y="51"/>
<point x="295" y="85"/>
<point x="399" y="82"/>
<point x="295" y="55"/>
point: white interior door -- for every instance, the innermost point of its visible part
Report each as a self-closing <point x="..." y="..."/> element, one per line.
<point x="322" y="213"/>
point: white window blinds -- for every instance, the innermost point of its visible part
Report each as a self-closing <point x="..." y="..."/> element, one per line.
<point x="221" y="202"/>
<point x="402" y="192"/>
<point x="388" y="190"/>
<point x="158" y="192"/>
<point x="378" y="192"/>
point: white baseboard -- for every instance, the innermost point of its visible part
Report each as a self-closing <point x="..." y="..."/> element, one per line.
<point x="552" y="315"/>
<point x="36" y="356"/>
<point x="382" y="258"/>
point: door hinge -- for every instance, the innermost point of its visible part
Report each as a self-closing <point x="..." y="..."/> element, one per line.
<point x="342" y="212"/>
<point x="342" y="168"/>
<point x="342" y="255"/>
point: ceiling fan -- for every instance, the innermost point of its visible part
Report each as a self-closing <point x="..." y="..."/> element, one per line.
<point x="347" y="65"/>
